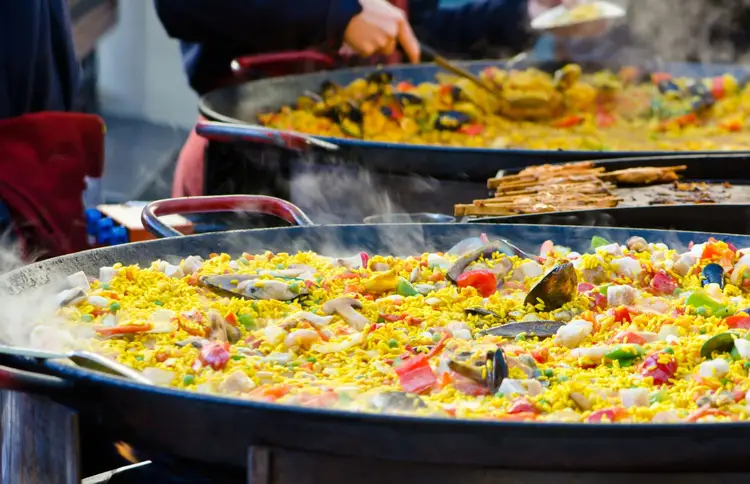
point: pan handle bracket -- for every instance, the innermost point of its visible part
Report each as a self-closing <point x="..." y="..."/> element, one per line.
<point x="222" y="203"/>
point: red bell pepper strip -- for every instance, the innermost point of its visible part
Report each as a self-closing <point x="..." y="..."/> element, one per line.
<point x="439" y="346"/>
<point x="124" y="329"/>
<point x="269" y="393"/>
<point x="718" y="87"/>
<point x="663" y="283"/>
<point x="472" y="129"/>
<point x="585" y="287"/>
<point x="660" y="366"/>
<point x="732" y="125"/>
<point x="521" y="405"/>
<point x="215" y="354"/>
<point x="628" y="337"/>
<point x="622" y="314"/>
<point x="738" y="321"/>
<point x="541" y="355"/>
<point x="485" y="282"/>
<point x="598" y="300"/>
<point x="231" y="318"/>
<point x="568" y="121"/>
<point x="610" y="414"/>
<point x="416" y="375"/>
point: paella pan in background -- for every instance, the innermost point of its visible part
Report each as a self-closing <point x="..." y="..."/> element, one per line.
<point x="528" y="108"/>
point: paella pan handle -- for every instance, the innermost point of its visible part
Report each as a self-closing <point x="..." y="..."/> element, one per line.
<point x="228" y="132"/>
<point x="281" y="60"/>
<point x="221" y="203"/>
<point x="24" y="381"/>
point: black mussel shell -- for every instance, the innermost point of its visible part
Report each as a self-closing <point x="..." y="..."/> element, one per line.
<point x="497" y="369"/>
<point x="309" y="100"/>
<point x="558" y="287"/>
<point x="481" y="312"/>
<point x="451" y="120"/>
<point x="387" y="111"/>
<point x="380" y="77"/>
<point x="712" y="274"/>
<point x="701" y="103"/>
<point x="408" y="99"/>
<point x="720" y="343"/>
<point x="227" y="283"/>
<point x="458" y="267"/>
<point x="540" y="329"/>
<point x="351" y="119"/>
<point x="455" y="92"/>
<point x="666" y="86"/>
<point x="698" y="89"/>
<point x="328" y="89"/>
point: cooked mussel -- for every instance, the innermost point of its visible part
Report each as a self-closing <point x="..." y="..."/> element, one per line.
<point x="481" y="312"/>
<point x="668" y="87"/>
<point x="407" y="99"/>
<point x="329" y="89"/>
<point x="720" y="343"/>
<point x="309" y="101"/>
<point x="556" y="288"/>
<point x="351" y="119"/>
<point x="540" y="329"/>
<point x="249" y="286"/>
<point x="451" y="120"/>
<point x="380" y="77"/>
<point x="486" y="250"/>
<point x="712" y="274"/>
<point x="491" y="374"/>
<point x="566" y="77"/>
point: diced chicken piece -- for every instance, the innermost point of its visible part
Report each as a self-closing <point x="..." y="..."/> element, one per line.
<point x="192" y="264"/>
<point x="637" y="244"/>
<point x="574" y="256"/>
<point x="459" y="329"/>
<point x="236" y="382"/>
<point x="714" y="368"/>
<point x="684" y="263"/>
<point x="743" y="348"/>
<point x="634" y="397"/>
<point x="173" y="271"/>
<point x="79" y="280"/>
<point x="714" y="290"/>
<point x="667" y="416"/>
<point x="621" y="295"/>
<point x="433" y="301"/>
<point x="109" y="320"/>
<point x="106" y="274"/>
<point x="233" y="265"/>
<point x="98" y="301"/>
<point x="434" y="260"/>
<point x="611" y="249"/>
<point x="697" y="250"/>
<point x="273" y="334"/>
<point x="380" y="267"/>
<point x="527" y="269"/>
<point x="594" y="354"/>
<point x="70" y="296"/>
<point x="573" y="333"/>
<point x="627" y="267"/>
<point x="301" y="337"/>
<point x="740" y="270"/>
<point x="511" y="387"/>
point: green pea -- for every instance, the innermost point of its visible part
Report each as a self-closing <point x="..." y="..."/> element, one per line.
<point x="105" y="287"/>
<point x="392" y="343"/>
<point x="247" y="321"/>
<point x="746" y="365"/>
<point x="87" y="317"/>
<point x="312" y="359"/>
<point x="188" y="380"/>
<point x="114" y="307"/>
<point x="669" y="350"/>
<point x="237" y="357"/>
<point x="562" y="378"/>
<point x="520" y="337"/>
<point x="549" y="373"/>
<point x="139" y="358"/>
<point x="436" y="337"/>
<point x="159" y="303"/>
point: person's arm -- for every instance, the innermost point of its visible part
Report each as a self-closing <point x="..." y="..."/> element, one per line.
<point x="258" y="25"/>
<point x="497" y="23"/>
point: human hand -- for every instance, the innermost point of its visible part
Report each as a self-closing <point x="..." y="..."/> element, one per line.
<point x="377" y="30"/>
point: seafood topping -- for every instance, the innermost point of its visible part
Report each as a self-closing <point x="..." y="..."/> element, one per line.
<point x="558" y="287"/>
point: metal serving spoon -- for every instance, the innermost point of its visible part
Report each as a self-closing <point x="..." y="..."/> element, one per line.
<point x="451" y="67"/>
<point x="84" y="359"/>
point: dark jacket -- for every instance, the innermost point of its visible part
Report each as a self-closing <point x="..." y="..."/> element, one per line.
<point x="38" y="68"/>
<point x="215" y="32"/>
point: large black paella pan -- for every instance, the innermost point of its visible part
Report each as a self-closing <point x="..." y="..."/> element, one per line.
<point x="214" y="429"/>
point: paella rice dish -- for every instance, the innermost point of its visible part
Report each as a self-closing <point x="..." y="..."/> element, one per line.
<point x="623" y="333"/>
<point x="531" y="109"/>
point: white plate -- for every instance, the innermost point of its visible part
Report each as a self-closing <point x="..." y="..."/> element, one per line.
<point x="550" y="18"/>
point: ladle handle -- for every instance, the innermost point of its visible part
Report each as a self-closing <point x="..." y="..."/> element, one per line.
<point x="228" y="133"/>
<point x="221" y="203"/>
